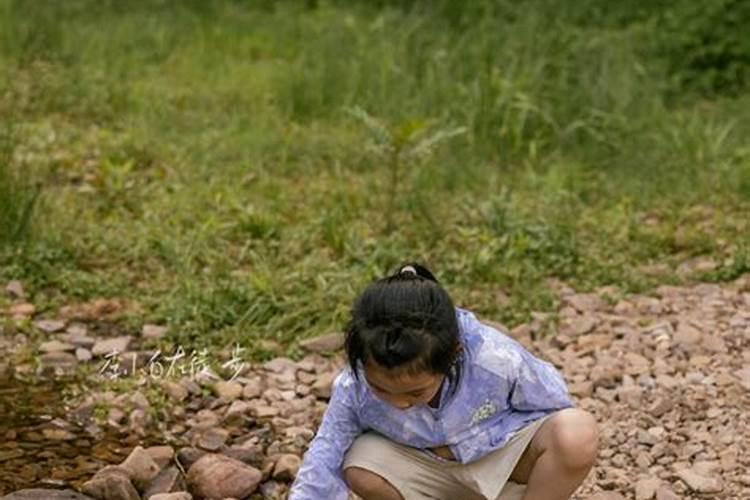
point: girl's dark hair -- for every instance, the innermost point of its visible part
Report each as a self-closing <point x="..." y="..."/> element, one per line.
<point x="406" y="320"/>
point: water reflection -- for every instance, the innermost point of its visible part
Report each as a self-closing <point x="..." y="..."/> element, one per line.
<point x="45" y="444"/>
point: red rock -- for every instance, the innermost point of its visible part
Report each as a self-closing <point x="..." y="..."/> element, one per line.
<point x="217" y="476"/>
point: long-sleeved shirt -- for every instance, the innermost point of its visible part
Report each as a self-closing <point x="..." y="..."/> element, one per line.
<point x="501" y="388"/>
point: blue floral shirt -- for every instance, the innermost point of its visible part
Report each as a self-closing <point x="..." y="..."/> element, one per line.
<point x="502" y="387"/>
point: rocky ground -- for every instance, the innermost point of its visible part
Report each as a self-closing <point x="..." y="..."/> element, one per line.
<point x="668" y="377"/>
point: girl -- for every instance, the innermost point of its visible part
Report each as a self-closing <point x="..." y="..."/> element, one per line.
<point x="434" y="404"/>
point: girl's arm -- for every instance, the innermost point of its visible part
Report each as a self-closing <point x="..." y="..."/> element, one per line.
<point x="320" y="475"/>
<point x="537" y="385"/>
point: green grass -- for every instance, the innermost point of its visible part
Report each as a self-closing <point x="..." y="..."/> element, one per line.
<point x="202" y="158"/>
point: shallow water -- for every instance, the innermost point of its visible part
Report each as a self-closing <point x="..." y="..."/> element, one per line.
<point x="43" y="444"/>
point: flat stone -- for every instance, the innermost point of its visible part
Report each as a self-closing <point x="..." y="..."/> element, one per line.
<point x="323" y="343"/>
<point x="274" y="490"/>
<point x="699" y="483"/>
<point x="630" y="395"/>
<point x="56" y="346"/>
<point x="217" y="476"/>
<point x="22" y="310"/>
<point x="280" y="365"/>
<point x="323" y="385"/>
<point x="188" y="455"/>
<point x="643" y="460"/>
<point x="253" y="389"/>
<point x="286" y="467"/>
<point x="15" y="289"/>
<point x="743" y="375"/>
<point x="645" y="489"/>
<point x="582" y="389"/>
<point x="140" y="467"/>
<point x="83" y="354"/>
<point x="111" y="483"/>
<point x="237" y="410"/>
<point x="660" y="406"/>
<point x="585" y="302"/>
<point x="97" y="309"/>
<point x="50" y="325"/>
<point x="265" y="411"/>
<point x="647" y="438"/>
<point x="593" y="341"/>
<point x="180" y="495"/>
<point x="686" y="334"/>
<point x="636" y="364"/>
<point x="162" y="455"/>
<point x="77" y="339"/>
<point x="664" y="492"/>
<point x="302" y="433"/>
<point x="58" y="434"/>
<point x="228" y="390"/>
<point x="169" y="480"/>
<point x="77" y="329"/>
<point x="103" y="347"/>
<point x="174" y="390"/>
<point x="579" y="325"/>
<point x="10" y="455"/>
<point x="153" y="331"/>
<point x="212" y="439"/>
<point x="58" y="359"/>
<point x="606" y="495"/>
<point x="252" y="455"/>
<point x="45" y="494"/>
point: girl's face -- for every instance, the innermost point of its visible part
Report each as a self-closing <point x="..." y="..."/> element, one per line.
<point x="401" y="388"/>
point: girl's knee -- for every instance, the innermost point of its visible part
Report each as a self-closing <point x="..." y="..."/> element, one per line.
<point x="369" y="485"/>
<point x="575" y="438"/>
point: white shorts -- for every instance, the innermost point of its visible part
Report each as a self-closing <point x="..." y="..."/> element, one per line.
<point x="418" y="475"/>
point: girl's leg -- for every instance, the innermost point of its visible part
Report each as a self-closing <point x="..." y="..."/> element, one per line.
<point x="559" y="456"/>
<point x="369" y="485"/>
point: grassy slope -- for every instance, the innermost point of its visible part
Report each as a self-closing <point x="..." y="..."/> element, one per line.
<point x="201" y="161"/>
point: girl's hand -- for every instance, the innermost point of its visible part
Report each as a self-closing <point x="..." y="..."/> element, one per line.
<point x="443" y="452"/>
